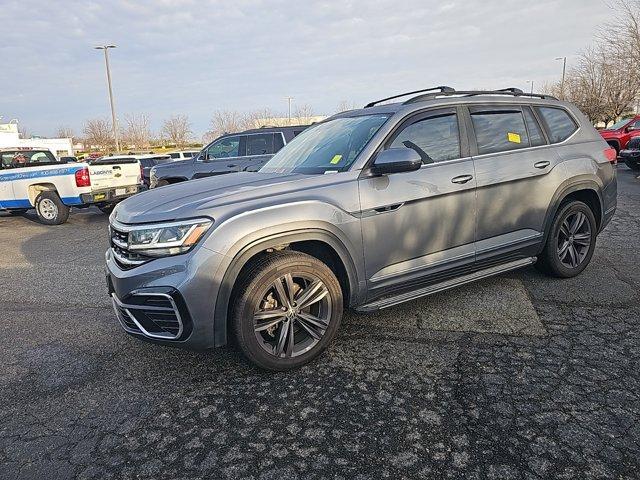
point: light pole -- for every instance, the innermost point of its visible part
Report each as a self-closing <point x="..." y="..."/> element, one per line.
<point x="289" y="100"/>
<point x="564" y="69"/>
<point x="531" y="82"/>
<point x="113" y="109"/>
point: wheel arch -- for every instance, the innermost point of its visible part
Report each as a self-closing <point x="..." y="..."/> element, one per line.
<point x="34" y="190"/>
<point x="585" y="191"/>
<point x="319" y="243"/>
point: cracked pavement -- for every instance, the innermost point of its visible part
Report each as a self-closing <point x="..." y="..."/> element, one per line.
<point x="518" y="376"/>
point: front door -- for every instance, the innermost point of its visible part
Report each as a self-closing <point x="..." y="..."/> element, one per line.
<point x="419" y="225"/>
<point x="225" y="155"/>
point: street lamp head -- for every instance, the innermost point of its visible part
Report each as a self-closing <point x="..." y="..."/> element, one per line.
<point x="560" y="58"/>
<point x="104" y="47"/>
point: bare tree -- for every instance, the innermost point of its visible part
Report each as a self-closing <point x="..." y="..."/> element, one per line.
<point x="303" y="114"/>
<point x="259" y="118"/>
<point x="177" y="130"/>
<point x="98" y="134"/>
<point x="64" y="131"/>
<point x="137" y="132"/>
<point x="344" y="105"/>
<point x="226" y="121"/>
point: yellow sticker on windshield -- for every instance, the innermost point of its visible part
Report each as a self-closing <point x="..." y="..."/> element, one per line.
<point x="513" y="137"/>
<point x="336" y="159"/>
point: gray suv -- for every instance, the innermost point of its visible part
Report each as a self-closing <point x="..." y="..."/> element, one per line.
<point x="368" y="209"/>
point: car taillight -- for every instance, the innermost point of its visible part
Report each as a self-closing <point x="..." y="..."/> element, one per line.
<point x="611" y="155"/>
<point x="82" y="178"/>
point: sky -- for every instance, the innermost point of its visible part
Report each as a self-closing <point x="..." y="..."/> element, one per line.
<point x="195" y="57"/>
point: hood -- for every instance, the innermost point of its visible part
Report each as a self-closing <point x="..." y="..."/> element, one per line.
<point x="195" y="197"/>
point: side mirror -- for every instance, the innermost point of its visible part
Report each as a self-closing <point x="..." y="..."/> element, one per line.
<point x="631" y="128"/>
<point x="396" y="160"/>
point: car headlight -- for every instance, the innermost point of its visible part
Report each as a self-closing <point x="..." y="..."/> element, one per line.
<point x="167" y="238"/>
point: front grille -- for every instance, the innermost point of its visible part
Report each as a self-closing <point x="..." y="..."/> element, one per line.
<point x="154" y="315"/>
<point x="124" y="257"/>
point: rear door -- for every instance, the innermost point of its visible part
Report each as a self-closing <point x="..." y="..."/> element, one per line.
<point x="512" y="163"/>
<point x="260" y="148"/>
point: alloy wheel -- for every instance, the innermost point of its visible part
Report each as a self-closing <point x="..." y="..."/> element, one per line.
<point x="574" y="240"/>
<point x="292" y="315"/>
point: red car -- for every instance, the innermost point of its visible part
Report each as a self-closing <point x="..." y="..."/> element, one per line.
<point x="619" y="134"/>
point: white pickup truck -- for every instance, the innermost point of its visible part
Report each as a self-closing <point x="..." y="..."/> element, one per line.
<point x="37" y="179"/>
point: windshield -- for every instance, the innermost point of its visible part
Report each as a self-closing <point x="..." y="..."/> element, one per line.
<point x="327" y="147"/>
<point x="619" y="124"/>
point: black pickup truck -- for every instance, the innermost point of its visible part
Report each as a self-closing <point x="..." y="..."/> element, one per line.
<point x="234" y="152"/>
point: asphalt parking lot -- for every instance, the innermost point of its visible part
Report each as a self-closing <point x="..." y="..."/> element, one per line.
<point x="519" y="376"/>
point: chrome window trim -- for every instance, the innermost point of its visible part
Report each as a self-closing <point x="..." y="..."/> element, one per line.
<point x="128" y="307"/>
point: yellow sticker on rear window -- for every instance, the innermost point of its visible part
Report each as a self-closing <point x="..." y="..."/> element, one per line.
<point x="513" y="137"/>
<point x="336" y="159"/>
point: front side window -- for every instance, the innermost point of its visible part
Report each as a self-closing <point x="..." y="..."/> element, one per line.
<point x="560" y="125"/>
<point x="331" y="146"/>
<point x="224" y="148"/>
<point x="260" y="144"/>
<point x="435" y="139"/>
<point x="499" y="131"/>
<point x="174" y="155"/>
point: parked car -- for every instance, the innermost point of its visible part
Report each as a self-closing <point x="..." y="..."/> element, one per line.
<point x="631" y="154"/>
<point x="146" y="162"/>
<point x="37" y="179"/>
<point x="619" y="134"/>
<point x="184" y="154"/>
<point x="367" y="209"/>
<point x="236" y="152"/>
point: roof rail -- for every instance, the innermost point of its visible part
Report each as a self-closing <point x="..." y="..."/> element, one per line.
<point x="441" y="89"/>
<point x="515" y="92"/>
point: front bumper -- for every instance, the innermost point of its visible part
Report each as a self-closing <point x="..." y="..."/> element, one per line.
<point x="110" y="195"/>
<point x="170" y="301"/>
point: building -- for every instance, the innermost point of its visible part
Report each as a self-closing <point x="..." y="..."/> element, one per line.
<point x="10" y="138"/>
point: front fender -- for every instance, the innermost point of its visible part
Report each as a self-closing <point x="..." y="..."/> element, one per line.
<point x="238" y="240"/>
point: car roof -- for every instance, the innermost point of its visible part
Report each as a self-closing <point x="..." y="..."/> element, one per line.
<point x="435" y="99"/>
<point x="267" y="130"/>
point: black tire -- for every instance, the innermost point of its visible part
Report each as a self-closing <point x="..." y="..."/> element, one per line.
<point x="50" y="209"/>
<point x="551" y="261"/>
<point x="18" y="211"/>
<point x="633" y="165"/>
<point x="107" y="209"/>
<point x="256" y="288"/>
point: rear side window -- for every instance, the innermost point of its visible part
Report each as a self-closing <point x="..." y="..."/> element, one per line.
<point x="435" y="139"/>
<point x="278" y="142"/>
<point x="560" y="125"/>
<point x="535" y="132"/>
<point x="499" y="131"/>
<point x="260" y="144"/>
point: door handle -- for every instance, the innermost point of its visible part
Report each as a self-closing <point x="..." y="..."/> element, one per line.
<point x="232" y="165"/>
<point x="461" y="179"/>
<point x="542" y="164"/>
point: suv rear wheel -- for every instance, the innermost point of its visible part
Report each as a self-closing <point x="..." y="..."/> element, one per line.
<point x="571" y="241"/>
<point x="288" y="307"/>
<point x="50" y="209"/>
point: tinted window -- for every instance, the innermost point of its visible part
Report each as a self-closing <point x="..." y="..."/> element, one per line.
<point x="535" y="132"/>
<point x="224" y="148"/>
<point x="27" y="158"/>
<point x="278" y="142"/>
<point x="499" y="131"/>
<point x="560" y="125"/>
<point x="189" y="154"/>
<point x="260" y="144"/>
<point x="435" y="139"/>
<point x="174" y="155"/>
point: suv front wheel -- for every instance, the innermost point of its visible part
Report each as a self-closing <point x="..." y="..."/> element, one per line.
<point x="571" y="241"/>
<point x="287" y="309"/>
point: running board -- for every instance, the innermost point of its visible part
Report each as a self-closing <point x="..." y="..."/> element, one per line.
<point x="439" y="287"/>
